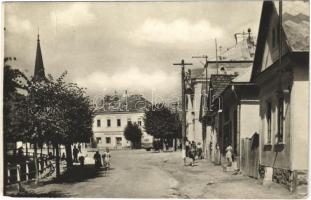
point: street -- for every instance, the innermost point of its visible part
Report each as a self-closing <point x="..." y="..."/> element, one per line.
<point x="142" y="174"/>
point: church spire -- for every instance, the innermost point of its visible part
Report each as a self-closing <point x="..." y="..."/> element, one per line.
<point x="39" y="74"/>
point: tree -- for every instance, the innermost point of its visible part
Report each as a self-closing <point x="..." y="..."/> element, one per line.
<point x="13" y="81"/>
<point x="49" y="111"/>
<point x="162" y="123"/>
<point x="133" y="133"/>
<point x="58" y="113"/>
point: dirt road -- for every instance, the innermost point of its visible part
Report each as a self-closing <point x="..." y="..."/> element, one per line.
<point x="141" y="174"/>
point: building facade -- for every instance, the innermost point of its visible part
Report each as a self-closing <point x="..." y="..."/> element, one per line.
<point x="193" y="99"/>
<point x="109" y="128"/>
<point x="232" y="62"/>
<point x="240" y="125"/>
<point x="281" y="69"/>
<point x="112" y="114"/>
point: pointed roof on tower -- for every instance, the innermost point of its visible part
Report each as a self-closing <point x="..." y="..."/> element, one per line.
<point x="39" y="74"/>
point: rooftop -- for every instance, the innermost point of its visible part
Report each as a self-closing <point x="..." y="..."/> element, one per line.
<point x="219" y="82"/>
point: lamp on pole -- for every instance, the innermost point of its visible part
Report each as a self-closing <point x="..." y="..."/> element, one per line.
<point x="183" y="102"/>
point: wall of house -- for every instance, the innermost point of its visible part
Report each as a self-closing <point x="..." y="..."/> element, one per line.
<point x="300" y="118"/>
<point x="113" y="132"/>
<point x="190" y="131"/>
<point x="269" y="156"/>
<point x="196" y="106"/>
<point x="194" y="126"/>
<point x="249" y="119"/>
<point x="209" y="143"/>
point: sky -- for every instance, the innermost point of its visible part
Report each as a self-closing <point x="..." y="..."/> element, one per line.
<point x="107" y="46"/>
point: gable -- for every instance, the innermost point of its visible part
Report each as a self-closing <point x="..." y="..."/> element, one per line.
<point x="295" y="34"/>
<point x="271" y="41"/>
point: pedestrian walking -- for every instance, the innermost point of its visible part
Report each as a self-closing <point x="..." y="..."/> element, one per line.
<point x="187" y="149"/>
<point x="199" y="151"/>
<point x="187" y="144"/>
<point x="97" y="159"/>
<point x="106" y="159"/>
<point x="229" y="150"/>
<point x="75" y="152"/>
<point x="192" y="153"/>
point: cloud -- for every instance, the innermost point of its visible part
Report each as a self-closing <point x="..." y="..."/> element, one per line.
<point x="18" y="25"/>
<point x="132" y="79"/>
<point x="76" y="14"/>
<point x="179" y="30"/>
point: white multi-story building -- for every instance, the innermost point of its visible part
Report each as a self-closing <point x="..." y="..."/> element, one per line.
<point x="112" y="117"/>
<point x="109" y="128"/>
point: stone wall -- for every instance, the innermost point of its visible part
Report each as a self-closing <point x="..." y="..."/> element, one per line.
<point x="283" y="176"/>
<point x="291" y="179"/>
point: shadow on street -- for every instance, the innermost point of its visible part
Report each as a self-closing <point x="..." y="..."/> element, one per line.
<point x="33" y="194"/>
<point x="78" y="174"/>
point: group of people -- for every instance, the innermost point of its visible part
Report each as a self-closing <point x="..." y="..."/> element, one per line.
<point x="193" y="151"/>
<point x="102" y="160"/>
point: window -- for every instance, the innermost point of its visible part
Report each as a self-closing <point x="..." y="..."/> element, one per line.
<point x="118" y="122"/>
<point x="139" y="122"/>
<point x="280" y="120"/>
<point x="128" y="120"/>
<point x="273" y="37"/>
<point x="108" y="140"/>
<point x="119" y="140"/>
<point x="98" y="140"/>
<point x="98" y="123"/>
<point x="269" y="111"/>
<point x="108" y="122"/>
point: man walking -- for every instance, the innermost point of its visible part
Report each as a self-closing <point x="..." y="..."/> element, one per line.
<point x="75" y="154"/>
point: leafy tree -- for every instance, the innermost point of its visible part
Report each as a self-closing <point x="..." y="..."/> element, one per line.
<point x="133" y="133"/>
<point x="13" y="81"/>
<point x="64" y="112"/>
<point x="162" y="123"/>
<point x="58" y="113"/>
<point x="50" y="111"/>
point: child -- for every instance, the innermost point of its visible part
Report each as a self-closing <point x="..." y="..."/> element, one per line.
<point x="106" y="158"/>
<point x="229" y="154"/>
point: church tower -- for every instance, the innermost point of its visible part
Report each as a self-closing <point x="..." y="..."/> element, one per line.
<point x="39" y="74"/>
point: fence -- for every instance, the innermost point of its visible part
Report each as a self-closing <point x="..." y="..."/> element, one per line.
<point x="25" y="171"/>
<point x="250" y="156"/>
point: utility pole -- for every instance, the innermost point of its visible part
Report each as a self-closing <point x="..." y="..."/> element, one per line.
<point x="183" y="102"/>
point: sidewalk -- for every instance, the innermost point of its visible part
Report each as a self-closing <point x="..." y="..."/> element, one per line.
<point x="206" y="180"/>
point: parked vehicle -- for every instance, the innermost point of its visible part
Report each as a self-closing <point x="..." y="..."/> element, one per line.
<point x="147" y="142"/>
